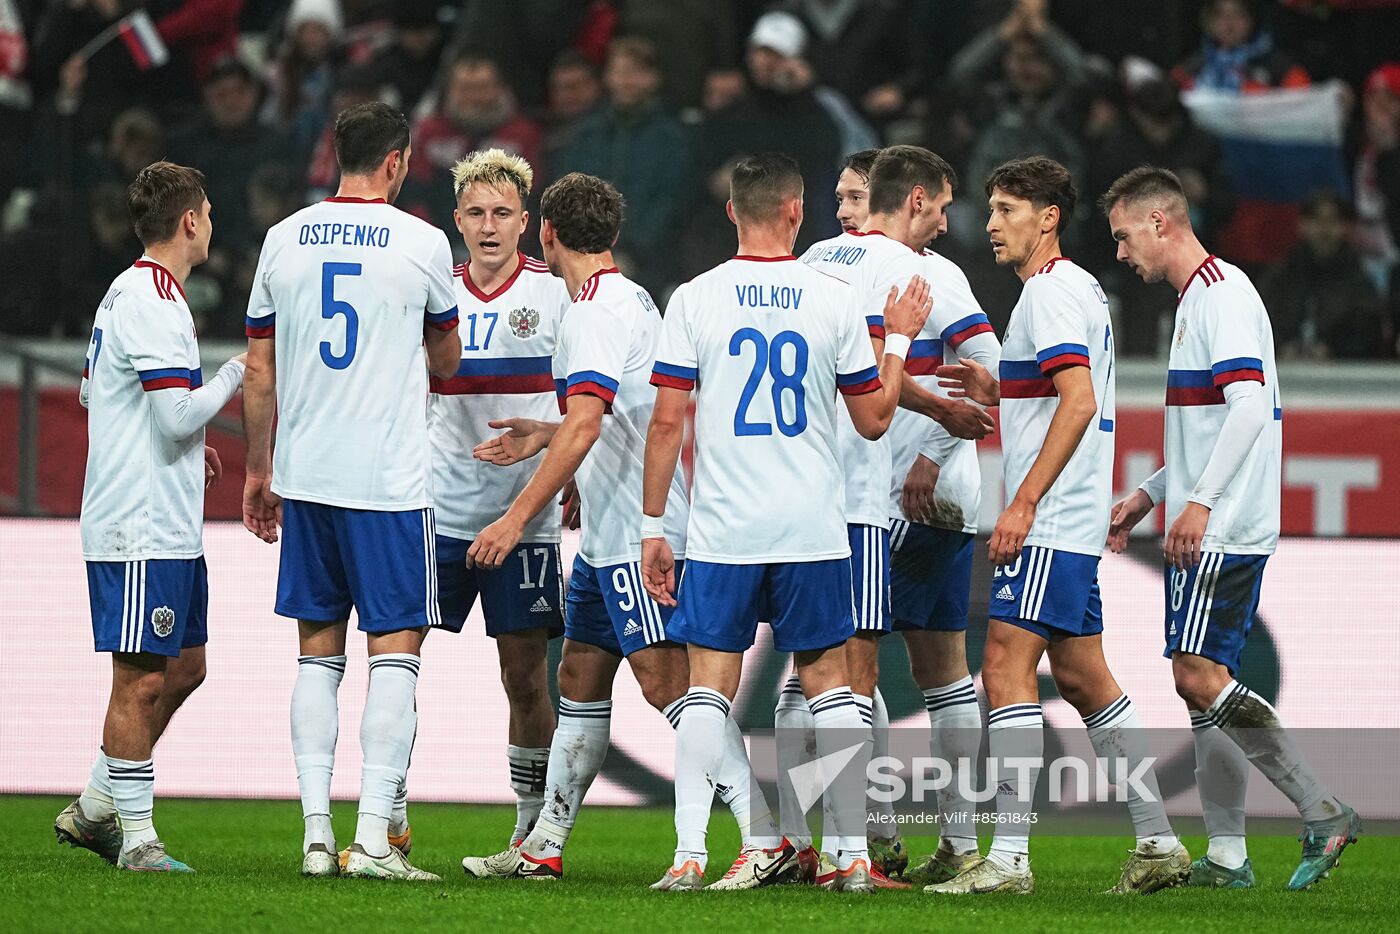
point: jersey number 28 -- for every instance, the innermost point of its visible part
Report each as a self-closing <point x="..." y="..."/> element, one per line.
<point x="769" y="356"/>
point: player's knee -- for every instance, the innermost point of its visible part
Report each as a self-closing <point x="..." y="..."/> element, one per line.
<point x="1197" y="682"/>
<point x="525" y="683"/>
<point x="144" y="692"/>
<point x="661" y="693"/>
<point x="182" y="683"/>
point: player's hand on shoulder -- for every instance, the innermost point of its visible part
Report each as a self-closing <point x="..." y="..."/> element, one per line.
<point x="968" y="379"/>
<point x="262" y="508"/>
<point x="917" y="499"/>
<point x="906" y="313"/>
<point x="1124" y="517"/>
<point x="524" y="438"/>
<point x="659" y="570"/>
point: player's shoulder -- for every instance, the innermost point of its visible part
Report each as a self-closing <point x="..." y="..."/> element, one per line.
<point x="148" y="285"/>
<point x="1215" y="279"/>
<point x="942" y="268"/>
<point x="1062" y="277"/>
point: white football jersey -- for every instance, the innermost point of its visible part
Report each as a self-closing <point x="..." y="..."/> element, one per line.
<point x="345" y="287"/>
<point x="871" y="264"/>
<point x="607" y="345"/>
<point x="1223" y="336"/>
<point x="508" y="339"/>
<point x="956" y="327"/>
<point x="767" y="343"/>
<point x="143" y="495"/>
<point x="1060" y="320"/>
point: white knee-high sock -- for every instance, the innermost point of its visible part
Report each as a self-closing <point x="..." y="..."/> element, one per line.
<point x="575" y="755"/>
<point x="734" y="784"/>
<point x="1254" y="725"/>
<point x="1120" y="743"/>
<point x="796" y="744"/>
<point x="315" y="727"/>
<point x="879" y="814"/>
<point x="955" y="724"/>
<point x="528" y="769"/>
<point x="133" y="789"/>
<point x="1016" y="731"/>
<point x="398" y="818"/>
<point x="386" y="740"/>
<point x="839" y="724"/>
<point x="1222" y="777"/>
<point x="700" y="751"/>
<point x="96" y="800"/>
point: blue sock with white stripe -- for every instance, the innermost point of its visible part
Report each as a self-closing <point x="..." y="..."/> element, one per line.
<point x="96" y="800"/>
<point x="796" y="741"/>
<point x="386" y="740"/>
<point x="1016" y="731"/>
<point x="575" y="755"/>
<point x="700" y="751"/>
<point x="315" y="729"/>
<point x="133" y="789"/>
<point x="840" y="725"/>
<point x="955" y="723"/>
<point x="1120" y="743"/>
<point x="1222" y="778"/>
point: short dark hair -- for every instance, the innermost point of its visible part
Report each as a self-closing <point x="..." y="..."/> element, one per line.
<point x="158" y="198"/>
<point x="1145" y="183"/>
<point x="638" y="48"/>
<point x="231" y="66"/>
<point x="898" y="169"/>
<point x="760" y="184"/>
<point x="1040" y="180"/>
<point x="860" y="162"/>
<point x="585" y="211"/>
<point x="365" y="134"/>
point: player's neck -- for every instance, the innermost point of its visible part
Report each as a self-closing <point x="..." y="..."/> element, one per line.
<point x="578" y="268"/>
<point x="363" y="188"/>
<point x="764" y="241"/>
<point x="172" y="256"/>
<point x="1049" y="249"/>
<point x="1185" y="260"/>
<point x="894" y="226"/>
<point x="489" y="276"/>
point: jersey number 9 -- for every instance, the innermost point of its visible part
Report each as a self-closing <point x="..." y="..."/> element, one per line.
<point x="331" y="306"/>
<point x="769" y="356"/>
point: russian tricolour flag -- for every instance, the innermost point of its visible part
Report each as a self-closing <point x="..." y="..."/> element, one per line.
<point x="1279" y="147"/>
<point x="142" y="40"/>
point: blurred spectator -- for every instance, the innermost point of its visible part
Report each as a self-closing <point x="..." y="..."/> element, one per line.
<point x="696" y="36"/>
<point x="15" y="96"/>
<point x="302" y="76"/>
<point x="523" y="38"/>
<point x="1377" y="176"/>
<point x="477" y="110"/>
<point x="405" y="70"/>
<point x="635" y="144"/>
<point x="575" y="88"/>
<point x="352" y="86"/>
<point x="1320" y="301"/>
<point x="228" y="145"/>
<point x="1237" y="53"/>
<point x="108" y="244"/>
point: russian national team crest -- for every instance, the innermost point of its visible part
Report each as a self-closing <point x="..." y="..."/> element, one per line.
<point x="524" y="322"/>
<point x="163" y="621"/>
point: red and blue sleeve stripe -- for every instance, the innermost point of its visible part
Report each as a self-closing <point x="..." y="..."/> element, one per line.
<point x="171" y="378"/>
<point x="1193" y="387"/>
<point x="1024" y="379"/>
<point x="960" y="330"/>
<point x="592" y="383"/>
<point x="560" y="387"/>
<point x="1062" y="355"/>
<point x="496" y="376"/>
<point x="858" y="383"/>
<point x="260" y="327"/>
<point x="1237" y="369"/>
<point x="674" y="377"/>
<point x="442" y="320"/>
<point x="925" y="356"/>
<point x="875" y="324"/>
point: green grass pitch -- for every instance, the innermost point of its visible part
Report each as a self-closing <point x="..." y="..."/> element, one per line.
<point x="247" y="854"/>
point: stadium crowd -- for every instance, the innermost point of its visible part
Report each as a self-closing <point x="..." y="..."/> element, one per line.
<point x="661" y="98"/>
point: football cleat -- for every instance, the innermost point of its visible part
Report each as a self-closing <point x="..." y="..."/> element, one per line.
<point x="688" y="878"/>
<point x="808" y="862"/>
<point x="826" y="871"/>
<point x="514" y="864"/>
<point x="102" y="837"/>
<point x="984" y="877"/>
<point x="756" y="867"/>
<point x="1145" y="873"/>
<point x="1208" y="875"/>
<point x="855" y="879"/>
<point x="941" y="865"/>
<point x="1323" y="842"/>
<point x="883" y="881"/>
<point x="392" y="865"/>
<point x="319" y="863"/>
<point x="150" y="857"/>
<point x="403" y="842"/>
<point x="887" y="855"/>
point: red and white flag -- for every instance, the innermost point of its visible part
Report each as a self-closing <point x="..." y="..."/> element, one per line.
<point x="138" y="33"/>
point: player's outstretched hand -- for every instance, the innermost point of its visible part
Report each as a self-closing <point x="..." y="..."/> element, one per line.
<point x="495" y="543"/>
<point x="1010" y="533"/>
<point x="524" y="438"/>
<point x="659" y="570"/>
<point x="1124" y="517"/>
<point x="262" y="508"/>
<point x="917" y="499"/>
<point x="213" y="467"/>
<point x="969" y="380"/>
<point x="905" y="314"/>
<point x="570" y="501"/>
<point x="1183" y="545"/>
<point x="967" y="421"/>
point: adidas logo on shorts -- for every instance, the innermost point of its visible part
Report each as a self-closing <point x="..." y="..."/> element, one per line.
<point x="1006" y="593"/>
<point x="541" y="606"/>
<point x="631" y="629"/>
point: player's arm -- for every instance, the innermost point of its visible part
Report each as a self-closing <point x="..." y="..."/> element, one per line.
<point x="1133" y="508"/>
<point x="260" y="505"/>
<point x="872" y="409"/>
<point x="664" y="436"/>
<point x="1076" y="409"/>
<point x="444" y="350"/>
<point x="180" y="411"/>
<point x="524" y="438"/>
<point x="570" y="444"/>
<point x="440" y="316"/>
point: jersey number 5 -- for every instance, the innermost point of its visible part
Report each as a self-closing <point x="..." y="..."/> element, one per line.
<point x="331" y="306"/>
<point x="770" y="357"/>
